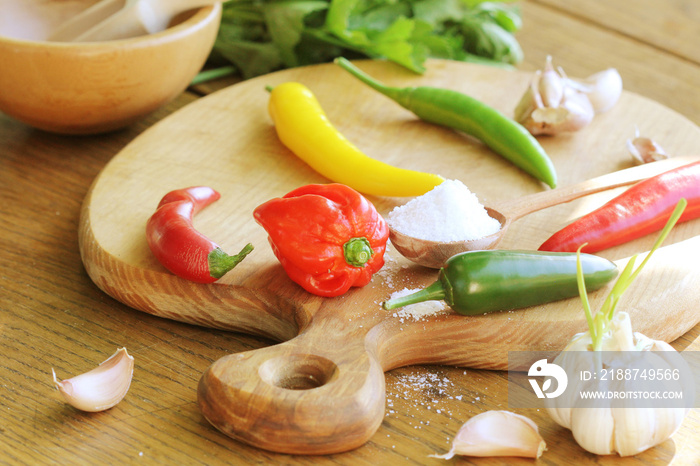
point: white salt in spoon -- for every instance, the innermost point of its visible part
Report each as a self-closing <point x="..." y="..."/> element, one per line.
<point x="434" y="254"/>
<point x="123" y="19"/>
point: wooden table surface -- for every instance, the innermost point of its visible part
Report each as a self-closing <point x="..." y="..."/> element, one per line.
<point x="53" y="316"/>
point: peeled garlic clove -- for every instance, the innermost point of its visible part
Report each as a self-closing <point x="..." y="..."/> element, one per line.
<point x="101" y="388"/>
<point x="497" y="433"/>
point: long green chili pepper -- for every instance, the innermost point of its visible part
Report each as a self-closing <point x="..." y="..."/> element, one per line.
<point x="461" y="112"/>
<point x="477" y="282"/>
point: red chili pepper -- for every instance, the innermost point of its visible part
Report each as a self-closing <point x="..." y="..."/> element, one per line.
<point x="328" y="237"/>
<point x="642" y="209"/>
<point x="179" y="247"/>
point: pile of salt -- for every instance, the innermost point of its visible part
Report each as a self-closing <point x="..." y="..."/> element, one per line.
<point x="449" y="212"/>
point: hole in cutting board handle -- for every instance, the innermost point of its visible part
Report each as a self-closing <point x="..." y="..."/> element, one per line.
<point x="298" y="371"/>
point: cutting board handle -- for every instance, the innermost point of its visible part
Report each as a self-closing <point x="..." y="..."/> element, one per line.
<point x="323" y="391"/>
<point x="314" y="394"/>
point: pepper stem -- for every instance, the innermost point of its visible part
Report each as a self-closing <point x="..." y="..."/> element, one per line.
<point x="221" y="263"/>
<point x="357" y="251"/>
<point x="434" y="292"/>
<point x="391" y="92"/>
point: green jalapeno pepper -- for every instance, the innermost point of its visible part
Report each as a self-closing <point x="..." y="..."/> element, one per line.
<point x="461" y="112"/>
<point x="477" y="282"/>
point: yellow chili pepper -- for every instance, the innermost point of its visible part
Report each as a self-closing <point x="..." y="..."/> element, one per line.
<point x="304" y="128"/>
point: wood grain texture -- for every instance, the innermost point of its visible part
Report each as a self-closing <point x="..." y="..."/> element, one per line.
<point x="52" y="315"/>
<point x="196" y="147"/>
<point x="673" y="27"/>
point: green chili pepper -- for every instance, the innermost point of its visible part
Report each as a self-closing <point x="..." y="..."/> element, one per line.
<point x="461" y="112"/>
<point x="477" y="282"/>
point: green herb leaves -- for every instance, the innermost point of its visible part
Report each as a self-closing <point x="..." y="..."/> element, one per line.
<point x="260" y="36"/>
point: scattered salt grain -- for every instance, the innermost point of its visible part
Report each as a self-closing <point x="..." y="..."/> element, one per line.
<point x="449" y="212"/>
<point x="423" y="388"/>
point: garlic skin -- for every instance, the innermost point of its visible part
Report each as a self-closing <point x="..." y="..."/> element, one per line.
<point x="102" y="387"/>
<point x="604" y="429"/>
<point x="645" y="150"/>
<point x="497" y="433"/>
<point x="551" y="105"/>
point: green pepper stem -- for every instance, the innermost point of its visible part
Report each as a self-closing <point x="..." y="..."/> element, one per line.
<point x="434" y="292"/>
<point x="221" y="263"/>
<point x="357" y="251"/>
<point x="391" y="92"/>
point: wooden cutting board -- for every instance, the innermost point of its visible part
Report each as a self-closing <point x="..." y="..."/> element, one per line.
<point x="322" y="389"/>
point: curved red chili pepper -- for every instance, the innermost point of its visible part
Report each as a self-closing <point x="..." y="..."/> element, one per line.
<point x="328" y="237"/>
<point x="179" y="247"/>
<point x="642" y="209"/>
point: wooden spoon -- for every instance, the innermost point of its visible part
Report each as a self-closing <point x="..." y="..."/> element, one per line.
<point x="123" y="19"/>
<point x="434" y="253"/>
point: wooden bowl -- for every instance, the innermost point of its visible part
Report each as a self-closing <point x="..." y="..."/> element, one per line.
<point x="95" y="87"/>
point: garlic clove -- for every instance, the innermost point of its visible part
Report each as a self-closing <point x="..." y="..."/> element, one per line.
<point x="575" y="112"/>
<point x="533" y="99"/>
<point x="530" y="100"/>
<point x="579" y="108"/>
<point x="102" y="387"/>
<point x="497" y="433"/>
<point x="551" y="85"/>
<point x="638" y="429"/>
<point x="645" y="150"/>
<point x="593" y="427"/>
<point x="603" y="89"/>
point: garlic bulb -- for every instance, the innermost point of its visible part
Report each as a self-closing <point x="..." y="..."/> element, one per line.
<point x="552" y="105"/>
<point x="497" y="433"/>
<point x="620" y="424"/>
<point x="102" y="387"/>
<point x="608" y="428"/>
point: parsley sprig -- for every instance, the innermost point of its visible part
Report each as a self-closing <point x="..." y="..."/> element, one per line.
<point x="260" y="36"/>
